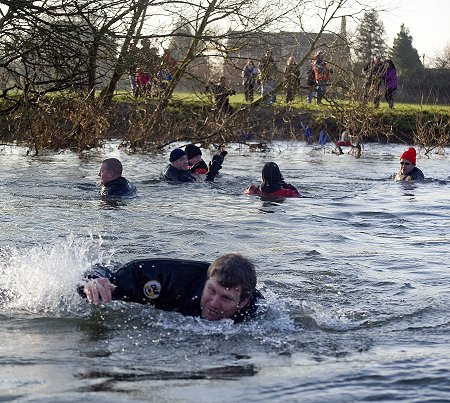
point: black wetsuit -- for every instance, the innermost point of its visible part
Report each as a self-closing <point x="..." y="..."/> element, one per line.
<point x="118" y="187"/>
<point x="273" y="180"/>
<point x="173" y="174"/>
<point x="167" y="284"/>
<point x="178" y="175"/>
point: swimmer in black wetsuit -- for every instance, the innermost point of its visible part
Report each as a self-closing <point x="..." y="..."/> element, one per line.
<point x="178" y="169"/>
<point x="112" y="182"/>
<point x="196" y="163"/>
<point x="224" y="289"/>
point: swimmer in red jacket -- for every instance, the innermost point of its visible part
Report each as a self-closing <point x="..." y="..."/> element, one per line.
<point x="273" y="184"/>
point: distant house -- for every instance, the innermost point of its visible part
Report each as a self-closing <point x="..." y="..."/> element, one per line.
<point x="301" y="45"/>
<point x="228" y="59"/>
<point x="283" y="44"/>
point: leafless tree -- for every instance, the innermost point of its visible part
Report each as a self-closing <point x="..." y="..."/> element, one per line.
<point x="82" y="45"/>
<point x="442" y="59"/>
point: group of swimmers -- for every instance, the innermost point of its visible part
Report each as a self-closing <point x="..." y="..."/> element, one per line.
<point x="188" y="166"/>
<point x="224" y="289"/>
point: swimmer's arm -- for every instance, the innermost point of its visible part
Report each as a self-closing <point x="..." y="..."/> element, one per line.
<point x="99" y="290"/>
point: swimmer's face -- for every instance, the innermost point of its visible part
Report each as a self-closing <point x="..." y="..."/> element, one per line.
<point x="406" y="166"/>
<point x="195" y="159"/>
<point x="181" y="163"/>
<point x="219" y="302"/>
<point x="105" y="175"/>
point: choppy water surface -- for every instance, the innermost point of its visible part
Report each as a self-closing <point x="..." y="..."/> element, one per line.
<point x="356" y="276"/>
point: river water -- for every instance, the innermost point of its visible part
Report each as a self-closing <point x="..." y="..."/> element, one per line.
<point x="355" y="274"/>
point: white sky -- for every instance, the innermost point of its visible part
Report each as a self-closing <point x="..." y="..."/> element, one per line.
<point x="428" y="22"/>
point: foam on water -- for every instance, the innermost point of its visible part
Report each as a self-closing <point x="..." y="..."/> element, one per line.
<point x="43" y="278"/>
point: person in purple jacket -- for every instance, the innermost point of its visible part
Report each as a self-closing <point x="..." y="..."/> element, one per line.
<point x="390" y="82"/>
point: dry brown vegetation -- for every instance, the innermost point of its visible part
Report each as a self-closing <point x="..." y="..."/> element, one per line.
<point x="432" y="132"/>
<point x="75" y="124"/>
<point x="81" y="124"/>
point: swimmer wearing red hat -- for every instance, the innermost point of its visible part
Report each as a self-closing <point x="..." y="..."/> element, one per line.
<point x="408" y="170"/>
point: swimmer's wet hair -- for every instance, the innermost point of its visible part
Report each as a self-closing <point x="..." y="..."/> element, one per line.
<point x="234" y="270"/>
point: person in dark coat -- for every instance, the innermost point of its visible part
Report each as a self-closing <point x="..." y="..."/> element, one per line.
<point x="291" y="79"/>
<point x="268" y="72"/>
<point x="178" y="169"/>
<point x="249" y="76"/>
<point x="220" y="93"/>
<point x="113" y="184"/>
<point x="390" y="82"/>
<point x="373" y="72"/>
<point x="311" y="82"/>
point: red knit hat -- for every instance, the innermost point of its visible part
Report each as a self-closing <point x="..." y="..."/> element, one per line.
<point x="410" y="155"/>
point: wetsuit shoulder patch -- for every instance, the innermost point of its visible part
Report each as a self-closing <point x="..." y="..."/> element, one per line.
<point x="152" y="289"/>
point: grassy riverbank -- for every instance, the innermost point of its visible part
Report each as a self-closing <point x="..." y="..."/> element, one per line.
<point x="72" y="122"/>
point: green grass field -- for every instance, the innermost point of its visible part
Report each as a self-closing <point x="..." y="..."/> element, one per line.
<point x="300" y="103"/>
<point x="238" y="100"/>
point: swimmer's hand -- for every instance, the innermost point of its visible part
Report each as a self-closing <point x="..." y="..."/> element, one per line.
<point x="213" y="169"/>
<point x="99" y="290"/>
<point x="218" y="158"/>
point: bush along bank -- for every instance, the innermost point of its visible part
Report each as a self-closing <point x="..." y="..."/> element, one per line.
<point x="81" y="125"/>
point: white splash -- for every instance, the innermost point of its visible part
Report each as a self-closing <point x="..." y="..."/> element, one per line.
<point x="43" y="279"/>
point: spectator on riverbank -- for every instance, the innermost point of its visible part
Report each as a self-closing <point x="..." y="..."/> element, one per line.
<point x="268" y="71"/>
<point x="149" y="59"/>
<point x="322" y="75"/>
<point x="143" y="83"/>
<point x="408" y="170"/>
<point x="291" y="79"/>
<point x="220" y="93"/>
<point x="373" y="72"/>
<point x="390" y="82"/>
<point x="168" y="62"/>
<point x="310" y="82"/>
<point x="249" y="75"/>
<point x="113" y="184"/>
<point x="226" y="289"/>
<point x="131" y="59"/>
<point x="272" y="184"/>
